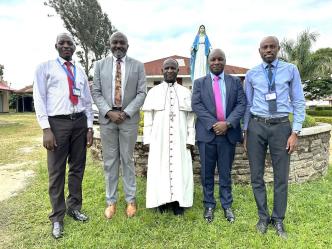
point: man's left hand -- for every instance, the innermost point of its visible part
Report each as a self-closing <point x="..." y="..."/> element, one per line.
<point x="220" y="128"/>
<point x="291" y="143"/>
<point x="89" y="138"/>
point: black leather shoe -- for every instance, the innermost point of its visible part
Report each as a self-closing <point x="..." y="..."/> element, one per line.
<point x="208" y="214"/>
<point x="262" y="226"/>
<point x="57" y="230"/>
<point x="177" y="210"/>
<point x="77" y="215"/>
<point x="162" y="208"/>
<point x="229" y="215"/>
<point x="279" y="227"/>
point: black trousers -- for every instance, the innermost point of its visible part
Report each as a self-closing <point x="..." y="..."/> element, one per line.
<point x="259" y="136"/>
<point x="70" y="137"/>
<point x="219" y="152"/>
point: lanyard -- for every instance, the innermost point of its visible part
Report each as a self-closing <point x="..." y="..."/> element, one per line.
<point x="73" y="78"/>
<point x="273" y="75"/>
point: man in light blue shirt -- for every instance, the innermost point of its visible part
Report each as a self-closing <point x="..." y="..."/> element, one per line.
<point x="273" y="90"/>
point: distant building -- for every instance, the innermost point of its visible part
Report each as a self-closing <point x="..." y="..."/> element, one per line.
<point x="24" y="101"/>
<point x="4" y="96"/>
<point x="154" y="75"/>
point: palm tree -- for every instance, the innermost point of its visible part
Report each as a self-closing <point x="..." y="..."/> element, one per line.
<point x="311" y="65"/>
<point x="315" y="67"/>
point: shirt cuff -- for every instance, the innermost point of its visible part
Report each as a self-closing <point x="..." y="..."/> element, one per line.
<point x="90" y="123"/>
<point x="297" y="127"/>
<point x="44" y="124"/>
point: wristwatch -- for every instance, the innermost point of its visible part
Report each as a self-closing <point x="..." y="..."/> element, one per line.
<point x="296" y="132"/>
<point x="90" y="129"/>
<point x="229" y="125"/>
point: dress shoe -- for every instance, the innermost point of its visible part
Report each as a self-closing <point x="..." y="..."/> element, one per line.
<point x="177" y="210"/>
<point x="162" y="208"/>
<point x="229" y="215"/>
<point x="262" y="226"/>
<point x="57" y="229"/>
<point x="208" y="214"/>
<point x="110" y="211"/>
<point x="131" y="209"/>
<point x="279" y="227"/>
<point x="77" y="215"/>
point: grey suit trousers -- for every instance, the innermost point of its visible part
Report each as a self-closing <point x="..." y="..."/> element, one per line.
<point x="118" y="143"/>
<point x="259" y="136"/>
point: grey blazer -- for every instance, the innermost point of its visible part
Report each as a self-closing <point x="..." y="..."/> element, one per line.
<point x="134" y="88"/>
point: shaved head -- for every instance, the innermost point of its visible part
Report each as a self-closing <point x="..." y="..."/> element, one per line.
<point x="270" y="38"/>
<point x="269" y="48"/>
<point x="59" y="36"/>
<point x="172" y="61"/>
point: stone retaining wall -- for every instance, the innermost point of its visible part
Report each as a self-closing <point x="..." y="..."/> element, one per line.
<point x="310" y="160"/>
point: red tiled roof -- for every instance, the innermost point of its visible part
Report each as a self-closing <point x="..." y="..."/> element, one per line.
<point x="27" y="89"/>
<point x="154" y="67"/>
<point x="4" y="87"/>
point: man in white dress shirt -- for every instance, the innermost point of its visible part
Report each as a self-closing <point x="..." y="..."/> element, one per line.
<point x="169" y="132"/>
<point x="64" y="111"/>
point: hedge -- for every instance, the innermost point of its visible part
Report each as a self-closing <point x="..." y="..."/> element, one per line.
<point x="324" y="119"/>
<point x="325" y="113"/>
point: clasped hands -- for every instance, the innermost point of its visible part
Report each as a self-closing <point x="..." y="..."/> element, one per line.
<point x="116" y="116"/>
<point x="220" y="128"/>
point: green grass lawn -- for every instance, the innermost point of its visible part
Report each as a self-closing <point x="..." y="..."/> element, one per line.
<point x="24" y="218"/>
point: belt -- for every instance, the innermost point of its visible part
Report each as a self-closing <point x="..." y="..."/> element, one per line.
<point x="72" y="116"/>
<point x="270" y="120"/>
<point x="118" y="109"/>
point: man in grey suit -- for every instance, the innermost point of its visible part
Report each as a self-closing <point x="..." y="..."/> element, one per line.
<point x="119" y="91"/>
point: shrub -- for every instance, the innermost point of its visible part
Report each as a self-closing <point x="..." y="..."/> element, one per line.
<point x="309" y="121"/>
<point x="324" y="119"/>
<point x="324" y="113"/>
<point x="141" y="123"/>
<point x="320" y="108"/>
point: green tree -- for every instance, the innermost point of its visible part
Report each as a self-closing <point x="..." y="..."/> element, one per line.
<point x="90" y="27"/>
<point x="315" y="67"/>
<point x="1" y="71"/>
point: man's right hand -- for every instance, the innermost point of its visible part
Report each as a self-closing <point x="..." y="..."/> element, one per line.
<point x="49" y="141"/>
<point x="115" y="117"/>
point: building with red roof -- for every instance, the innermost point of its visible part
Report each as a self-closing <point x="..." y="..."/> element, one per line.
<point x="4" y="96"/>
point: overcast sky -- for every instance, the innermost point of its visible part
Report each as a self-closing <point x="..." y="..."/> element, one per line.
<point x="158" y="29"/>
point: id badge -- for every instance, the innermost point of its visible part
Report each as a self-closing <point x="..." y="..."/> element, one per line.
<point x="270" y="96"/>
<point x="77" y="92"/>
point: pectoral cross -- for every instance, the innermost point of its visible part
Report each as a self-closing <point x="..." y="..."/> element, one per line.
<point x="171" y="116"/>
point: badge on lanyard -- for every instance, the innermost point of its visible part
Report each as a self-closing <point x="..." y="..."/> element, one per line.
<point x="270" y="96"/>
<point x="77" y="92"/>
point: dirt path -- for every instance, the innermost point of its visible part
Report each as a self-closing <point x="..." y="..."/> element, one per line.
<point x="14" y="177"/>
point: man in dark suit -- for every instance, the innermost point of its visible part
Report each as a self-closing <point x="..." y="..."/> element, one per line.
<point x="219" y="103"/>
<point x="119" y="91"/>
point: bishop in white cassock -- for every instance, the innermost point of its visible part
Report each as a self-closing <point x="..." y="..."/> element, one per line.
<point x="169" y="132"/>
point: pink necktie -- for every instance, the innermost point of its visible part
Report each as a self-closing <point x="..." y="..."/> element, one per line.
<point x="218" y="99"/>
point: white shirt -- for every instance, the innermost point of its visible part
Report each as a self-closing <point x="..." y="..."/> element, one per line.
<point x="51" y="92"/>
<point x="123" y="71"/>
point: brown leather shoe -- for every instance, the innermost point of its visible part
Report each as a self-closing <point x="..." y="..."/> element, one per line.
<point x="110" y="211"/>
<point x="131" y="209"/>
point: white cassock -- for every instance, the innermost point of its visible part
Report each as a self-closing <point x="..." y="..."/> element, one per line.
<point x="168" y="127"/>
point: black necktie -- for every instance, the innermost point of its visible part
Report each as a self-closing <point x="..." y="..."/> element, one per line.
<point x="272" y="88"/>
